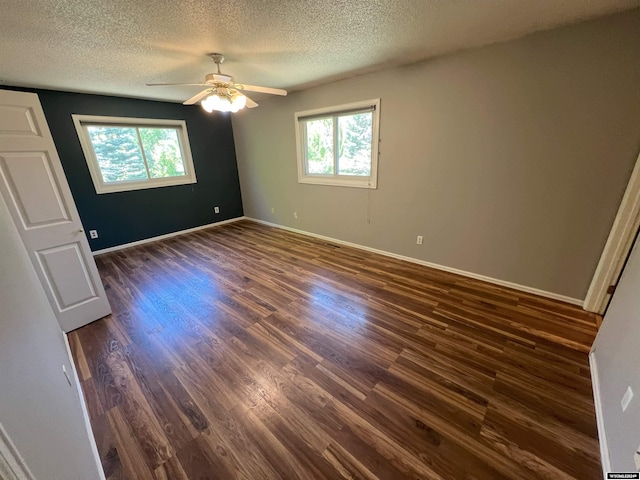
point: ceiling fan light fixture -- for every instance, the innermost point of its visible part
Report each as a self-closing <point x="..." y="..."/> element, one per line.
<point x="238" y="102"/>
<point x="224" y="102"/>
<point x="208" y="103"/>
<point x="216" y="102"/>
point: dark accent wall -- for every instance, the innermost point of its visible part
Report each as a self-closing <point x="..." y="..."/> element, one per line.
<point x="125" y="217"/>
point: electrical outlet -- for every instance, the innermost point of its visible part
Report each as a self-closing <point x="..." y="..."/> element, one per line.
<point x="626" y="399"/>
<point x="93" y="233"/>
<point x="273" y="210"/>
<point x="419" y="240"/>
<point x="216" y="209"/>
<point x="295" y="214"/>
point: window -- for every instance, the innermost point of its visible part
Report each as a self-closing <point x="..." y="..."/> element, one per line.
<point x="339" y="145"/>
<point x="135" y="153"/>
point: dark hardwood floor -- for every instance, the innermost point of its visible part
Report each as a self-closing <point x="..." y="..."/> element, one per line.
<point x="253" y="353"/>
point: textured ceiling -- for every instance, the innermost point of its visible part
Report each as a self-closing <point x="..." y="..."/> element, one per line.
<point x="115" y="46"/>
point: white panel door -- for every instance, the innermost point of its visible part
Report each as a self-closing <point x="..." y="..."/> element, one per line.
<point x="35" y="189"/>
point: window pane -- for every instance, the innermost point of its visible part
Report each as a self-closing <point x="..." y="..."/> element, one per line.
<point x="162" y="149"/>
<point x="320" y="146"/>
<point x="354" y="142"/>
<point x="118" y="153"/>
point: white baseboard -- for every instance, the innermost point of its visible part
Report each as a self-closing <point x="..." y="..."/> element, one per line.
<point x="166" y="235"/>
<point x="85" y="411"/>
<point x="602" y="438"/>
<point x="476" y="276"/>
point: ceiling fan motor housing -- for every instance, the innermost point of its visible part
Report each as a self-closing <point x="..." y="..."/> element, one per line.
<point x="218" y="78"/>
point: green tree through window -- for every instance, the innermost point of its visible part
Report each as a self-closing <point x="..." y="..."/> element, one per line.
<point x="162" y="149"/>
<point x="127" y="153"/>
<point x="353" y="155"/>
<point x="118" y="153"/>
<point x="354" y="140"/>
<point x="320" y="146"/>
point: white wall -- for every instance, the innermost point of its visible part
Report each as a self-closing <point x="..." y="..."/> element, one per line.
<point x="511" y="160"/>
<point x="617" y="356"/>
<point x="41" y="413"/>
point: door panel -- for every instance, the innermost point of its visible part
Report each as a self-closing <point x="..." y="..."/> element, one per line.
<point x="17" y="120"/>
<point x="64" y="269"/>
<point x="35" y="189"/>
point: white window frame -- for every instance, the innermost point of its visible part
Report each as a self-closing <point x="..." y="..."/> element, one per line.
<point x="82" y="121"/>
<point x="336" y="179"/>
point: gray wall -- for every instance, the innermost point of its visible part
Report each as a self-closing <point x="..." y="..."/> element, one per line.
<point x="41" y="413"/>
<point x="511" y="160"/>
<point x="617" y="354"/>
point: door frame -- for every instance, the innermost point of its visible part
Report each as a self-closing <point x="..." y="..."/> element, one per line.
<point x="618" y="246"/>
<point x="12" y="465"/>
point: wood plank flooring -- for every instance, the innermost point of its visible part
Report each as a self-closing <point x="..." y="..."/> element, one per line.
<point x="247" y="352"/>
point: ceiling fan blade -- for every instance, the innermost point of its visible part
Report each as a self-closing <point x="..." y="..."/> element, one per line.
<point x="170" y="84"/>
<point x="255" y="88"/>
<point x="198" y="96"/>
<point x="251" y="103"/>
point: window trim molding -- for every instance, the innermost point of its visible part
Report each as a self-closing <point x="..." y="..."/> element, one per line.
<point x="337" y="180"/>
<point x="80" y="121"/>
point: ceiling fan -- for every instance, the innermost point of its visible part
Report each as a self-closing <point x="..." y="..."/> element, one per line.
<point x="222" y="93"/>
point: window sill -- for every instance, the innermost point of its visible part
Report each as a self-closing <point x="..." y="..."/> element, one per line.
<point x="367" y="182"/>
<point x="132" y="186"/>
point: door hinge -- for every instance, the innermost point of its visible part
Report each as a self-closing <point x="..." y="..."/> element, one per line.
<point x="611" y="289"/>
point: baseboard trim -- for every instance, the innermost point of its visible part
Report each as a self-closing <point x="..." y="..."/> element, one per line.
<point x="166" y="235"/>
<point x="85" y="411"/>
<point x="475" y="276"/>
<point x="605" y="460"/>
